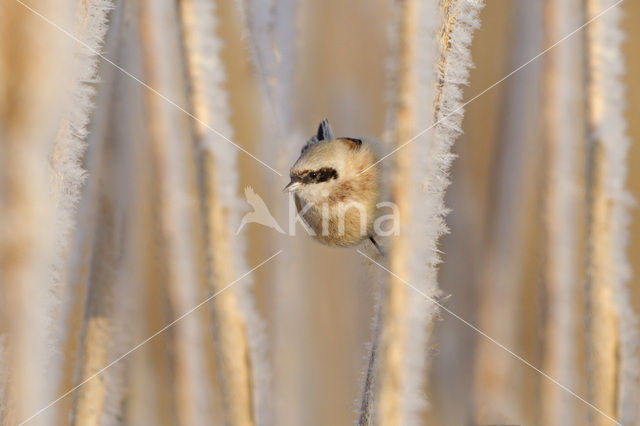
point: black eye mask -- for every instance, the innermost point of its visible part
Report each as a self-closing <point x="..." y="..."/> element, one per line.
<point x="322" y="175"/>
<point x="326" y="174"/>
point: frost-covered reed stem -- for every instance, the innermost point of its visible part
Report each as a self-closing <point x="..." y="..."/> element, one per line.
<point x="565" y="135"/>
<point x="100" y="266"/>
<point x="507" y="258"/>
<point x="104" y="241"/>
<point x="238" y="335"/>
<point x="180" y="222"/>
<point x="29" y="116"/>
<point x="420" y="177"/>
<point x="366" y="413"/>
<point x="613" y="324"/>
<point x="271" y="28"/>
<point x="66" y="173"/>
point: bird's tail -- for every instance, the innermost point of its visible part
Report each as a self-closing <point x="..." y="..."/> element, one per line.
<point x="375" y="243"/>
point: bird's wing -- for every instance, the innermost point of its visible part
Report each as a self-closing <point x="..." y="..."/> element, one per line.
<point x="324" y="132"/>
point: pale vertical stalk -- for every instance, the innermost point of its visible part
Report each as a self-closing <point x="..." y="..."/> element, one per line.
<point x="87" y="307"/>
<point x="613" y="324"/>
<point x="505" y="278"/>
<point x="110" y="295"/>
<point x="179" y="216"/>
<point x="394" y="339"/>
<point x="71" y="264"/>
<point x="66" y="172"/>
<point x="366" y="414"/>
<point x="602" y="324"/>
<point x="90" y="400"/>
<point x="149" y="387"/>
<point x="149" y="382"/>
<point x="150" y="397"/>
<point x="565" y="133"/>
<point x="237" y="327"/>
<point x="271" y="29"/>
<point x="125" y="234"/>
<point x="3" y="377"/>
<point x="28" y="122"/>
<point x="112" y="203"/>
<point x="369" y="397"/>
<point x="107" y="198"/>
<point x="420" y="177"/>
<point x="471" y="197"/>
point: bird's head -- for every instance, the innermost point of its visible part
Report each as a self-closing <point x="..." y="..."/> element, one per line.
<point x="323" y="167"/>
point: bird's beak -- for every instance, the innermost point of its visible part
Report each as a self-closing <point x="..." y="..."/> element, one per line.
<point x="291" y="186"/>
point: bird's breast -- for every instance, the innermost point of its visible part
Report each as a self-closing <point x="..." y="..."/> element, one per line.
<point x="338" y="223"/>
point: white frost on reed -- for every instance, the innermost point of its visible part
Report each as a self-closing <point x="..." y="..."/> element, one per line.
<point x="420" y="181"/>
<point x="66" y="175"/>
<point x="66" y="172"/>
<point x="100" y="272"/>
<point x="79" y="278"/>
<point x="433" y="160"/>
<point x="454" y="66"/>
<point x="607" y="116"/>
<point x="237" y="320"/>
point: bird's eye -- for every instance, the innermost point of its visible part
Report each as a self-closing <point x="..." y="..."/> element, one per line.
<point x="313" y="175"/>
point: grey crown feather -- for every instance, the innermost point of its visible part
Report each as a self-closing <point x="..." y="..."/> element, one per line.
<point x="324" y="132"/>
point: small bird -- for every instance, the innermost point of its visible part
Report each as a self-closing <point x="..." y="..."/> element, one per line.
<point x="260" y="213"/>
<point x="335" y="188"/>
